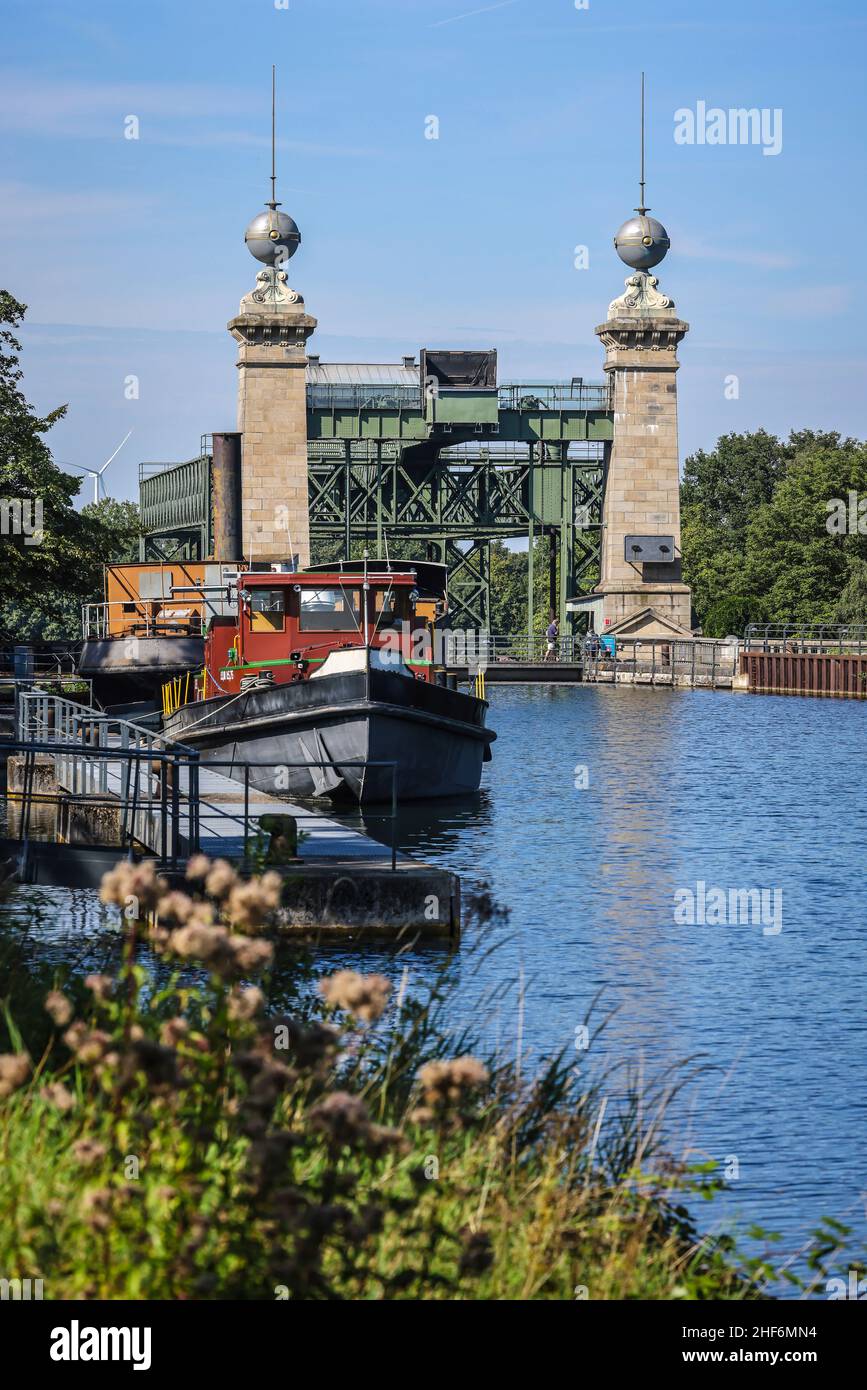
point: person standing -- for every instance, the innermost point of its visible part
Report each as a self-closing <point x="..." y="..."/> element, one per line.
<point x="552" y="632"/>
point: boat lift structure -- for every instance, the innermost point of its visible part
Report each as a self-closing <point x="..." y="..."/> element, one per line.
<point x="431" y="461"/>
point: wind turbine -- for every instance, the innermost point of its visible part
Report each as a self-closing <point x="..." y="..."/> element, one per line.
<point x="98" y="472"/>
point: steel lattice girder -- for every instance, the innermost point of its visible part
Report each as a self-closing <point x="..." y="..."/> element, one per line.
<point x="469" y="584"/>
<point x="487" y="498"/>
<point x="175" y="545"/>
<point x="370" y="491"/>
<point x="366" y="489"/>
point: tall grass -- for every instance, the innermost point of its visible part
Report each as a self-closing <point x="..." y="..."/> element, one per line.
<point x="171" y="1138"/>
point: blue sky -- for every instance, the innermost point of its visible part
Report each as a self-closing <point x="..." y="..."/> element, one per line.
<point x="130" y="254"/>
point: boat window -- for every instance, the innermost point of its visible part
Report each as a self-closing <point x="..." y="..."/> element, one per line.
<point x="330" y="610"/>
<point x="267" y="610"/>
<point x="388" y="606"/>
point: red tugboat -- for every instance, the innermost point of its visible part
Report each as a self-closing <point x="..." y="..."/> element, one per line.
<point x="334" y="666"/>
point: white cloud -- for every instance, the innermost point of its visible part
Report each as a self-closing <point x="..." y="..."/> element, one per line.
<point x="31" y="208"/>
<point x="694" y="249"/>
<point x="470" y="14"/>
<point x="187" y="115"/>
<point x="810" y="301"/>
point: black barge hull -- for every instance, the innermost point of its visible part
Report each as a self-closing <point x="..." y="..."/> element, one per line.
<point x="437" y="737"/>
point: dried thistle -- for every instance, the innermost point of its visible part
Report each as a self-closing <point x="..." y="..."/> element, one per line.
<point x="88" y="1152"/>
<point x="450" y="1083"/>
<point x="100" y="986"/>
<point x="14" y="1072"/>
<point x="221" y="879"/>
<point x="59" y="1096"/>
<point x="133" y="883"/>
<point x="364" y="996"/>
<point x="58" y="1007"/>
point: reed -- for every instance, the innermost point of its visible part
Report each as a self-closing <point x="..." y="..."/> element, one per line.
<point x="167" y="1135"/>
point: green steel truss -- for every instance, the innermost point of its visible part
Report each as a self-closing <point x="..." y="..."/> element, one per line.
<point x="456" y="505"/>
<point x="441" y="481"/>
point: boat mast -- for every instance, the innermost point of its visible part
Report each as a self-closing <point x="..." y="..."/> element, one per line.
<point x="365" y="592"/>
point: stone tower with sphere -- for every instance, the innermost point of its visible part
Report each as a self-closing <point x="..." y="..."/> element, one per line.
<point x="271" y="328"/>
<point x="640" y="584"/>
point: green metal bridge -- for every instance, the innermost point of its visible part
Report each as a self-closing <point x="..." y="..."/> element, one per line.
<point x="433" y="473"/>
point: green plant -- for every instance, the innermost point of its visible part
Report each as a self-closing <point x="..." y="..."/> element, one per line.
<point x="175" y="1140"/>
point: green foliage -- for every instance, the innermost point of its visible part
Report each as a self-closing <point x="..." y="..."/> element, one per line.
<point x="509" y="575"/>
<point x="174" y="1138"/>
<point x="46" y="580"/>
<point x="755" y="538"/>
<point x="730" y="616"/>
<point x="738" y="476"/>
<point x="852" y="603"/>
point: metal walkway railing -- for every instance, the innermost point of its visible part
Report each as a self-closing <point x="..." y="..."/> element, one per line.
<point x="663" y="661"/>
<point x="151" y="783"/>
<point x="480" y="649"/>
<point x="849" y="638"/>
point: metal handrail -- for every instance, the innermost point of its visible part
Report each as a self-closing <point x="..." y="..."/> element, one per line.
<point x="50" y="665"/>
<point x="363" y="396"/>
<point x="480" y="648"/>
<point x="84" y="742"/>
<point x="18" y="684"/>
<point x="147" y="778"/>
<point x="663" y="657"/>
<point x="555" y="395"/>
<point x="805" y="637"/>
<point x="152" y="774"/>
<point x="320" y="763"/>
<point x="96" y="618"/>
<point x="548" y="395"/>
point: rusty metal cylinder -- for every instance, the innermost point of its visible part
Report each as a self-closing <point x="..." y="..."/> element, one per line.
<point x="226" y="497"/>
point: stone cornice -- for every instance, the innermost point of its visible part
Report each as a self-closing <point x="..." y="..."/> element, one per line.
<point x="272" y="330"/>
<point x="659" y="334"/>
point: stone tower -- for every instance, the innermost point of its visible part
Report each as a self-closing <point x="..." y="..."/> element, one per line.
<point x="641" y="565"/>
<point x="272" y="328"/>
<point x="640" y="584"/>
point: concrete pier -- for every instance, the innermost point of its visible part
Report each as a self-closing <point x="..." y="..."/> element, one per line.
<point x="342" y="887"/>
<point x="342" y="884"/>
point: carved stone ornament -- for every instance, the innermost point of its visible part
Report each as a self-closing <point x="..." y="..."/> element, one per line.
<point x="272" y="287"/>
<point x="641" y="300"/>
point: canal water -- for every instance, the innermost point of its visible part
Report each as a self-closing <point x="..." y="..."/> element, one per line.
<point x="601" y="807"/>
<point x="603" y="812"/>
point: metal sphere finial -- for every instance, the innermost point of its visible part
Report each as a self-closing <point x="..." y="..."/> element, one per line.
<point x="273" y="237"/>
<point x="642" y="242"/>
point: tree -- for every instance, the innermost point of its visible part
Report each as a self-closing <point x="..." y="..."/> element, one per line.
<point x="728" y="484"/>
<point x="791" y="559"/>
<point x="509" y="587"/>
<point x="51" y="555"/>
<point x="756" y="541"/>
<point x="852" y="603"/>
<point x="732" y="615"/>
<point x="120" y="527"/>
